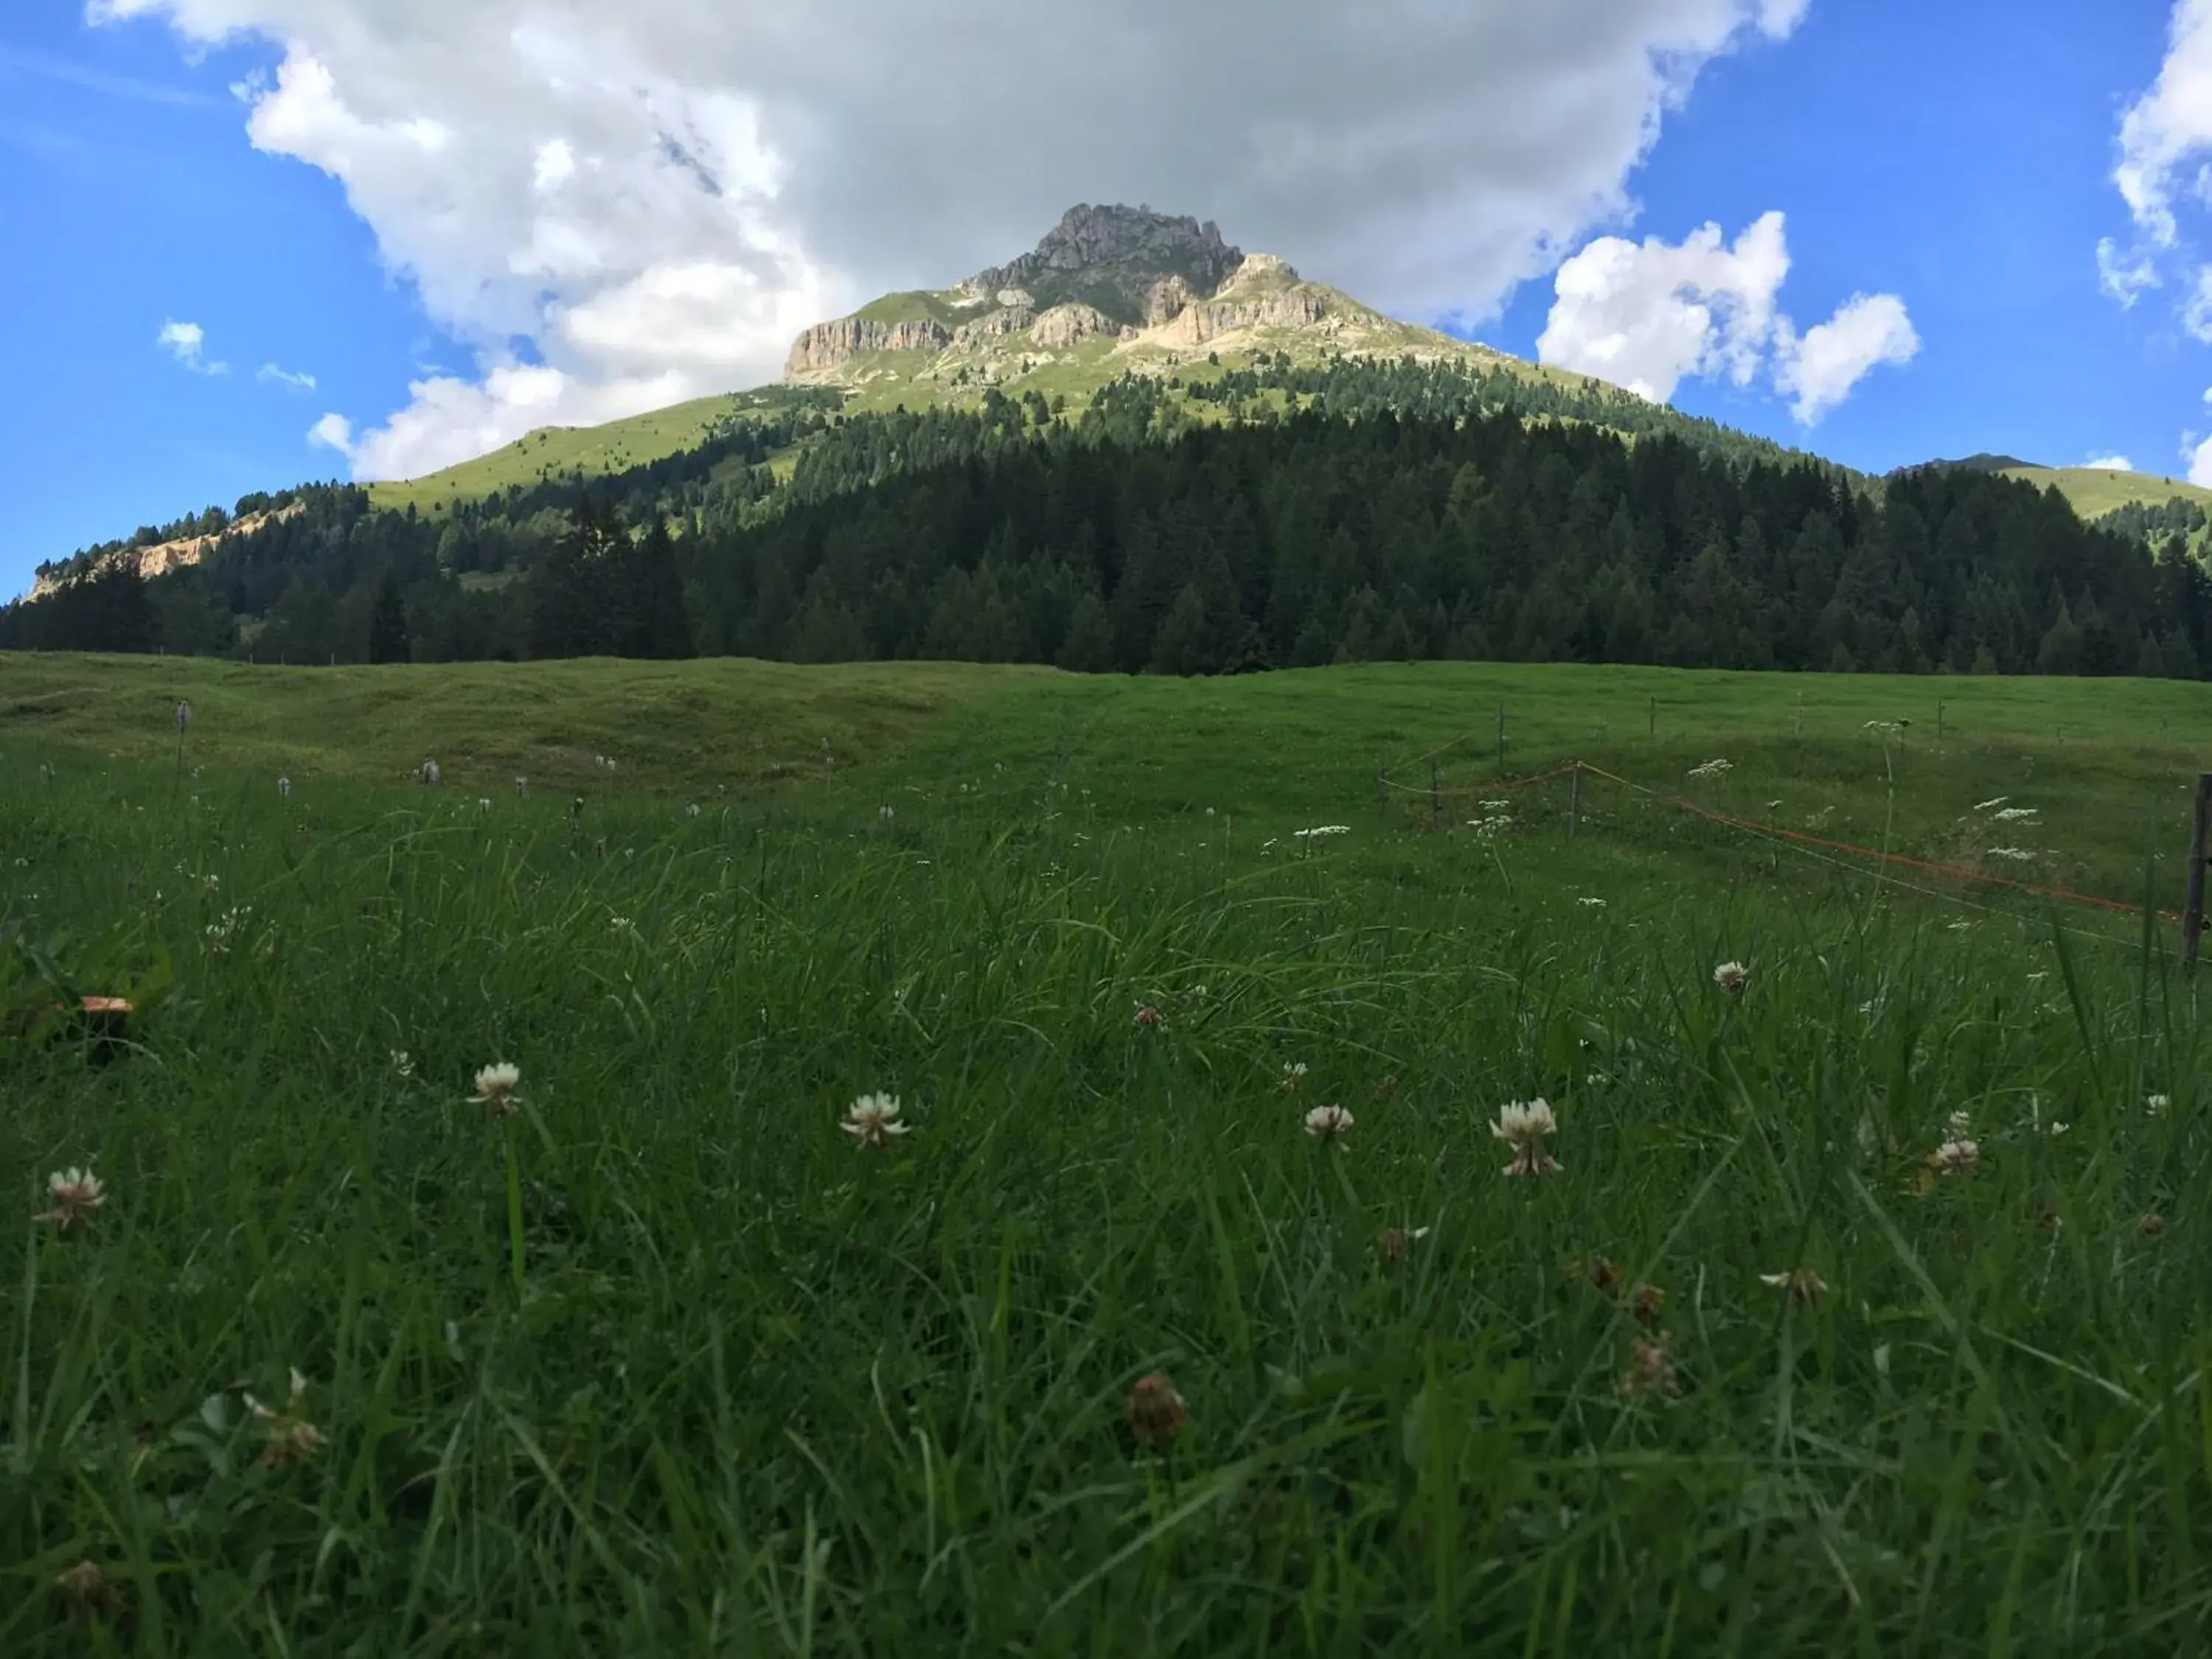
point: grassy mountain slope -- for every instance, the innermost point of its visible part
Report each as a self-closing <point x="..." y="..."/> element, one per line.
<point x="2095" y="492"/>
<point x="593" y="451"/>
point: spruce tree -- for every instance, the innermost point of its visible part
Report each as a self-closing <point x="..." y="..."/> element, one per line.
<point x="388" y="639"/>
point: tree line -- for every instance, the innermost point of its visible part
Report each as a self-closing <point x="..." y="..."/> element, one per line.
<point x="1277" y="516"/>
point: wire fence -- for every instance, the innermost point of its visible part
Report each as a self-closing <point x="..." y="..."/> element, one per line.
<point x="1848" y="856"/>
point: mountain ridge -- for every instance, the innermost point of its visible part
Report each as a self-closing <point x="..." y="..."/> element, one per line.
<point x="1109" y="293"/>
<point x="1108" y="286"/>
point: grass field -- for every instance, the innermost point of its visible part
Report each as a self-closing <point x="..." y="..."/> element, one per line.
<point x="663" y="1361"/>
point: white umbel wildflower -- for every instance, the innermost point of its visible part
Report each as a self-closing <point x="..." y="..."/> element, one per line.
<point x="1732" y="977"/>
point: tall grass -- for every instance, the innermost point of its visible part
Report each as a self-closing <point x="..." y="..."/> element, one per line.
<point x="708" y="1378"/>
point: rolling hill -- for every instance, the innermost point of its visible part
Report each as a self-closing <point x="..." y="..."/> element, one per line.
<point x="2095" y="491"/>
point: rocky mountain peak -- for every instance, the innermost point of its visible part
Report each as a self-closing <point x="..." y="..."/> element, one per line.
<point x="1101" y="255"/>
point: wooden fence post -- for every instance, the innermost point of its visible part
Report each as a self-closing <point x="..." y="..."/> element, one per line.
<point x="2193" y="909"/>
<point x="1575" y="801"/>
<point x="1435" y="800"/>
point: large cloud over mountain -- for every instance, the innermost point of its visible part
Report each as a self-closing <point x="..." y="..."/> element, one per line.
<point x="657" y="195"/>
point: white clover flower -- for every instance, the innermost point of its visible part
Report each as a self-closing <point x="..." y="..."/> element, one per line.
<point x="1525" y="1126"/>
<point x="1294" y="1073"/>
<point x="1329" y="1123"/>
<point x="1956" y="1157"/>
<point x="429" y="771"/>
<point x="873" y="1120"/>
<point x="292" y="1439"/>
<point x="2156" y="1104"/>
<point x="495" y="1087"/>
<point x="284" y="787"/>
<point x="1802" y="1283"/>
<point x="403" y="1063"/>
<point x="76" y="1195"/>
<point x="1959" y="1126"/>
<point x="1732" y="977"/>
<point x="692" y="811"/>
<point x="884" y="815"/>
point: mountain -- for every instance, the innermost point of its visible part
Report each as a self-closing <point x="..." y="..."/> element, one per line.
<point x="1139" y="446"/>
<point x="1986" y="462"/>
<point x="1110" y="290"/>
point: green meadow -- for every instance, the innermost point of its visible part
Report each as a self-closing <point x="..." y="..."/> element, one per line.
<point x="1107" y="1353"/>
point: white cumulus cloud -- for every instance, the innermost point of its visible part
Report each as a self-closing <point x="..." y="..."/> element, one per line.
<point x="1646" y="315"/>
<point x="187" y="344"/>
<point x="1650" y="315"/>
<point x="1820" y="371"/>
<point x="2124" y="278"/>
<point x="2198" y="453"/>
<point x="2110" y="464"/>
<point x="2170" y="126"/>
<point x="335" y="432"/>
<point x="1779" y="18"/>
<point x="277" y="376"/>
<point x="657" y="196"/>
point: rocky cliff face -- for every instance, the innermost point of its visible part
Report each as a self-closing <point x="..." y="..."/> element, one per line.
<point x="1070" y="324"/>
<point x="826" y="345"/>
<point x="1210" y="318"/>
<point x="159" y="558"/>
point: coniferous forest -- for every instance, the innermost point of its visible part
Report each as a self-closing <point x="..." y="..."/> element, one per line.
<point x="1269" y="518"/>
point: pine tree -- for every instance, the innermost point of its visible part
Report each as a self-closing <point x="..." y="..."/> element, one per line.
<point x="660" y="623"/>
<point x="1185" y="644"/>
<point x="388" y="638"/>
<point x="1089" y="647"/>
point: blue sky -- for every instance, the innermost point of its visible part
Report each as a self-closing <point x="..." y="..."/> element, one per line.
<point x="1958" y="156"/>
